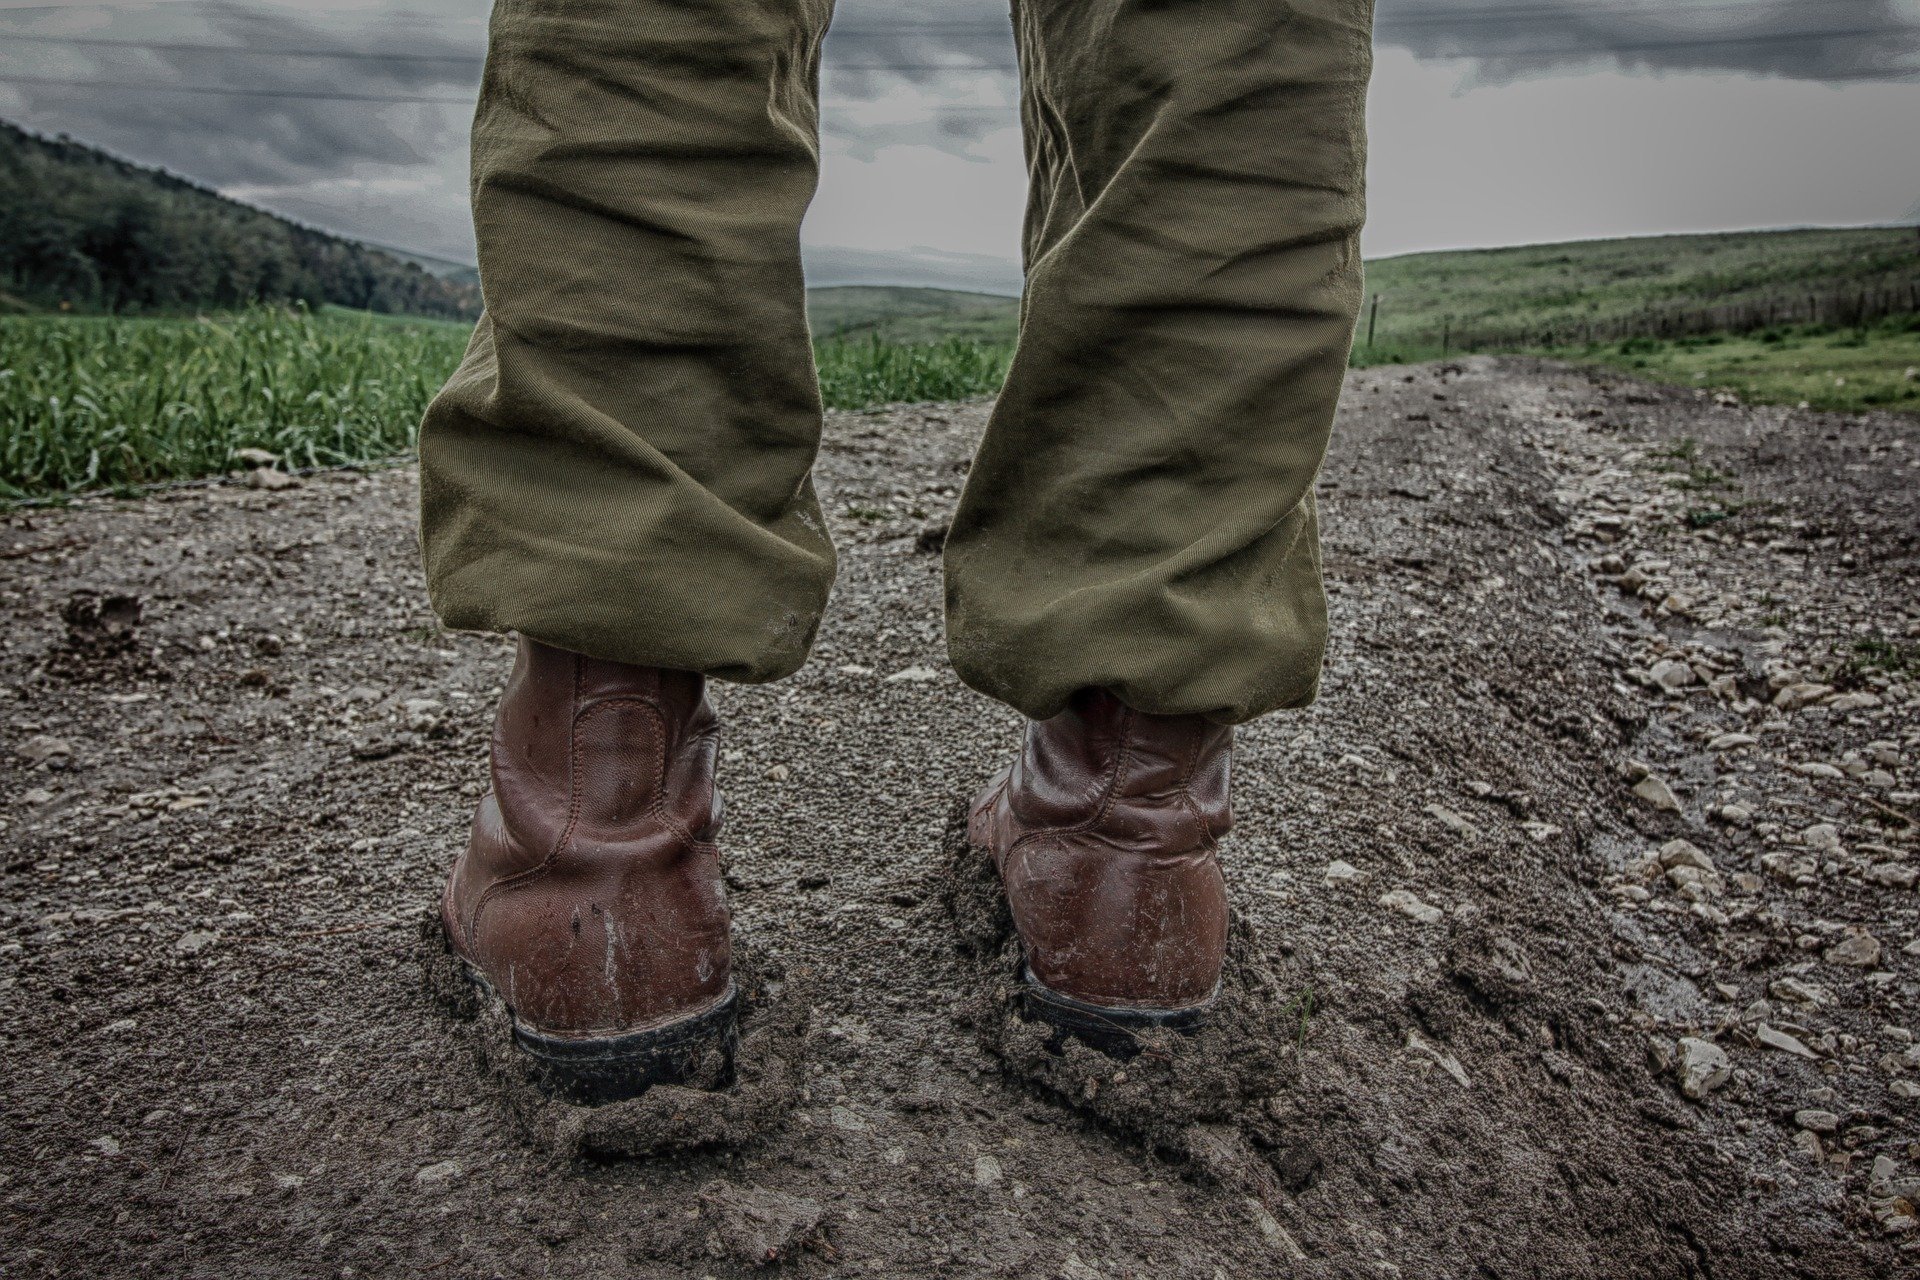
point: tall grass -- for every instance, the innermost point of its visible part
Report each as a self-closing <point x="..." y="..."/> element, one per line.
<point x="860" y="373"/>
<point x="106" y="403"/>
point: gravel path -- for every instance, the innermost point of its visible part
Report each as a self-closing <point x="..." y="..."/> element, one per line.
<point x="1590" y="882"/>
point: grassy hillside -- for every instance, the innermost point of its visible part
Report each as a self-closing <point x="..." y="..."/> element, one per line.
<point x="1550" y="295"/>
<point x="82" y="230"/>
<point x="895" y="314"/>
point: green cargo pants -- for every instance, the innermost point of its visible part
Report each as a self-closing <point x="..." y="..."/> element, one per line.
<point x="620" y="465"/>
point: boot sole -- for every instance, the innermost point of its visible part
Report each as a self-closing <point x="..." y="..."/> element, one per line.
<point x="594" y="1072"/>
<point x="1115" y="1032"/>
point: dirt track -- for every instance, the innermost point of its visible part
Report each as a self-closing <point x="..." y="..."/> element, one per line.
<point x="222" y="1061"/>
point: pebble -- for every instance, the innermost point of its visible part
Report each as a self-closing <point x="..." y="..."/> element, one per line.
<point x="1858" y="701"/>
<point x="1894" y="875"/>
<point x="913" y="675"/>
<point x="40" y="748"/>
<point x="438" y="1172"/>
<point x="1795" y="696"/>
<point x="1684" y="853"/>
<point x="847" y="1120"/>
<point x="1338" y="872"/>
<point x="1859" y="950"/>
<point x="1775" y="1039"/>
<point x="1669" y="674"/>
<point x="1816" y="1120"/>
<point x="193" y="942"/>
<point x="1703" y="1066"/>
<point x="1817" y="769"/>
<point x="106" y="1145"/>
<point x="1409" y="904"/>
<point x="1728" y="741"/>
<point x="1657" y="793"/>
<point x="986" y="1171"/>
<point x="271" y="480"/>
<point x="1799" y="992"/>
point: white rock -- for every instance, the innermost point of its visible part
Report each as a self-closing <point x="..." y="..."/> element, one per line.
<point x="1657" y="793"/>
<point x="1818" y="769"/>
<point x="1669" y="674"/>
<point x="913" y="675"/>
<point x="193" y="942"/>
<point x="1338" y="872"/>
<point x="1823" y="836"/>
<point x="1409" y="904"/>
<point x="1859" y="950"/>
<point x="1684" y="853"/>
<point x="1795" y="696"/>
<point x="106" y="1145"/>
<point x="986" y="1171"/>
<point x="1800" y="992"/>
<point x="271" y="480"/>
<point x="1858" y="701"/>
<point x="1817" y="1120"/>
<point x="40" y="748"/>
<point x="1728" y="741"/>
<point x="438" y="1172"/>
<point x="1703" y="1066"/>
<point x="1775" y="1039"/>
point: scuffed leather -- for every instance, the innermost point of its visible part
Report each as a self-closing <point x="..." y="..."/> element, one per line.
<point x="1105" y="830"/>
<point x="590" y="893"/>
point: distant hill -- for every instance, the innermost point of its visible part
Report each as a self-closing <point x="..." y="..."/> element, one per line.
<point x="1559" y="294"/>
<point x="902" y="314"/>
<point x="84" y="230"/>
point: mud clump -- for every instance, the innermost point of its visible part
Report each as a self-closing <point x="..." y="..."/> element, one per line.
<point x="769" y="1067"/>
<point x="1191" y="1096"/>
<point x="102" y="639"/>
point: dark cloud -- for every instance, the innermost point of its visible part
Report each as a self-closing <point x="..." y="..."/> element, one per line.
<point x="1833" y="40"/>
<point x="140" y="83"/>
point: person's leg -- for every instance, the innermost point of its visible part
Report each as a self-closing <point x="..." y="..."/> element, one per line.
<point x="620" y="465"/>
<point x="1140" y="516"/>
<point x="1133" y="563"/>
<point x="619" y="472"/>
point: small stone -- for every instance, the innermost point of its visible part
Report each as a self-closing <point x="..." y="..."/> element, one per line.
<point x="195" y="941"/>
<point x="1409" y="904"/>
<point x="1818" y="769"/>
<point x="1816" y="1121"/>
<point x="1894" y="875"/>
<point x="40" y="748"/>
<point x="1823" y="836"/>
<point x="106" y="1145"/>
<point x="1859" y="950"/>
<point x="1860" y="700"/>
<point x="779" y="773"/>
<point x="986" y="1171"/>
<point x="271" y="480"/>
<point x="1735" y="814"/>
<point x="1728" y="741"/>
<point x="1775" y="1039"/>
<point x="1338" y="872"/>
<point x="848" y="1120"/>
<point x="438" y="1172"/>
<point x="255" y="457"/>
<point x="913" y="675"/>
<point x="1454" y="822"/>
<point x="853" y="669"/>
<point x="1702" y="1066"/>
<point x="1657" y="793"/>
<point x="1684" y="853"/>
<point x="1672" y="675"/>
<point x="1799" y="992"/>
<point x="1795" y="696"/>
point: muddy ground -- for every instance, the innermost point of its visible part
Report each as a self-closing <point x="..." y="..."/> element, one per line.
<point x="1609" y="801"/>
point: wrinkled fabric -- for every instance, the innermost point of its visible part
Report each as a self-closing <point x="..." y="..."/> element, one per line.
<point x="621" y="464"/>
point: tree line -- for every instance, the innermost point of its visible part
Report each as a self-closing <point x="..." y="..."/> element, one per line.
<point x="84" y="230"/>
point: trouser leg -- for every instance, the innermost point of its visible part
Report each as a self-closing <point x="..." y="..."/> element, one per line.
<point x="620" y="465"/>
<point x="1140" y="516"/>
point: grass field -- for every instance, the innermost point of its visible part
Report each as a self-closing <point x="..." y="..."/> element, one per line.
<point x="101" y="403"/>
<point x="1851" y="370"/>
<point x="92" y="402"/>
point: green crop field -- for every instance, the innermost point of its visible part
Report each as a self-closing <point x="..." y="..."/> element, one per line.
<point x="90" y="402"/>
<point x="106" y="403"/>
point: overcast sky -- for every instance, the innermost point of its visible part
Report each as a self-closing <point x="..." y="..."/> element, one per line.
<point x="1493" y="121"/>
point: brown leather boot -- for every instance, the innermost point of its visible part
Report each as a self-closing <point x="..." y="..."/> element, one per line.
<point x="589" y="896"/>
<point x="1104" y="832"/>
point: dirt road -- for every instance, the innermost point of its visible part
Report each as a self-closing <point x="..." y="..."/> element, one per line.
<point x="1610" y="799"/>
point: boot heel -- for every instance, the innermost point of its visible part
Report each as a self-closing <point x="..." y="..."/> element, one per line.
<point x="697" y="1050"/>
<point x="1115" y="1032"/>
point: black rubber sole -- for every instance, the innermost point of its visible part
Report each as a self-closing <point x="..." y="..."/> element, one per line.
<point x="1115" y="1032"/>
<point x="595" y="1072"/>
